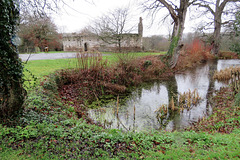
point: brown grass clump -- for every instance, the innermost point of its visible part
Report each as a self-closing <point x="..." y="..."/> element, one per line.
<point x="225" y="74"/>
<point x="193" y="54"/>
<point x="228" y="55"/>
<point x="154" y="68"/>
<point x="162" y="111"/>
<point x="189" y="99"/>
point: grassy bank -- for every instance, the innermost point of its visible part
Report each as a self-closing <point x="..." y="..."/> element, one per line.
<point x="50" y="130"/>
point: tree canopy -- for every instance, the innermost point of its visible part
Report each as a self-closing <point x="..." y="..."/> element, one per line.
<point x="39" y="32"/>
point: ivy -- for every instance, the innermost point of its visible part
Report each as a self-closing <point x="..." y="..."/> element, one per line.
<point x="11" y="68"/>
<point x="173" y="45"/>
<point x="174" y="42"/>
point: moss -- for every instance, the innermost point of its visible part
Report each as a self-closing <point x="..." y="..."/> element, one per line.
<point x="173" y="45"/>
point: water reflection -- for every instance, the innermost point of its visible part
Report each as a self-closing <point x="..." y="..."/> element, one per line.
<point x="138" y="113"/>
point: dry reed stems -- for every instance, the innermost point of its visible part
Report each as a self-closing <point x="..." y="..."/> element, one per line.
<point x="225" y="74"/>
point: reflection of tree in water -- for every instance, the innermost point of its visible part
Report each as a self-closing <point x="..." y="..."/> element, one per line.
<point x="172" y="94"/>
<point x="137" y="92"/>
<point x="171" y="85"/>
<point x="195" y="78"/>
<point x="212" y="69"/>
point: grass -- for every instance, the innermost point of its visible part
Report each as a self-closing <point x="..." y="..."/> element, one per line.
<point x="44" y="67"/>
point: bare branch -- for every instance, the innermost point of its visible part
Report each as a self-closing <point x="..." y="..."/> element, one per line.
<point x="170" y="9"/>
<point x="204" y="5"/>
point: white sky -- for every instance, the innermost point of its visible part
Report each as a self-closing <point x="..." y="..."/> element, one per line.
<point x="78" y="14"/>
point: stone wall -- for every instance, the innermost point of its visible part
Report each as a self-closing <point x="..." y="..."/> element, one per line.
<point x="84" y="42"/>
<point x="78" y="42"/>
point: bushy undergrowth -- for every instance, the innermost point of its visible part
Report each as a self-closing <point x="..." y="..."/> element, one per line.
<point x="226" y="114"/>
<point x="194" y="54"/>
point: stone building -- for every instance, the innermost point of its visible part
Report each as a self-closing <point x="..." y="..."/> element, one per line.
<point x="91" y="42"/>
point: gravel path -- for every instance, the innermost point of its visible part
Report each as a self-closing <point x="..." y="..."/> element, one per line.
<point x="41" y="56"/>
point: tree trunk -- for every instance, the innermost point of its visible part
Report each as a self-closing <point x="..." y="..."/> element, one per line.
<point x="12" y="105"/>
<point x="119" y="45"/>
<point x="217" y="31"/>
<point x="12" y="92"/>
<point x="175" y="45"/>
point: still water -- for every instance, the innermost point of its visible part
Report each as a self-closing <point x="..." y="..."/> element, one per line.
<point x="138" y="112"/>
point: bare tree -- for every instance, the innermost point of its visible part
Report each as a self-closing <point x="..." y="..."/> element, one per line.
<point x="217" y="9"/>
<point x="177" y="10"/>
<point x="112" y="26"/>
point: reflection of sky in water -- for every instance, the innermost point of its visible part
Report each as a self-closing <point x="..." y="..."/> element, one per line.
<point x="149" y="98"/>
<point x="191" y="80"/>
<point x="222" y="64"/>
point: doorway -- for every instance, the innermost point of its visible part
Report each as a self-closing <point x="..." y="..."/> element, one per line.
<point x="85" y="47"/>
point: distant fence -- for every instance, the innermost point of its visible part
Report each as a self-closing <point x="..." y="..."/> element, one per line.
<point x="235" y="80"/>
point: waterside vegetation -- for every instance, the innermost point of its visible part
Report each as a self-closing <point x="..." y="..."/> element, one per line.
<point x="57" y="127"/>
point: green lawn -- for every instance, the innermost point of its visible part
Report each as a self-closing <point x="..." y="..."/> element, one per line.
<point x="44" y="67"/>
<point x="41" y="68"/>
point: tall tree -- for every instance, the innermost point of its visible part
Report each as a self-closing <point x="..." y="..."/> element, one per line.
<point x="11" y="89"/>
<point x="235" y="34"/>
<point x="112" y="26"/>
<point x="177" y="10"/>
<point x="217" y="8"/>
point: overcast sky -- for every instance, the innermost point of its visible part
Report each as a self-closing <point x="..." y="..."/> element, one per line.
<point x="78" y="14"/>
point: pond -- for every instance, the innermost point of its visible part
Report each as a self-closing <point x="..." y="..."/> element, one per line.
<point x="140" y="111"/>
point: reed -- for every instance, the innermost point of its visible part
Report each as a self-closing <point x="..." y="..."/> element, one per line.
<point x="189" y="99"/>
<point x="117" y="104"/>
<point x="86" y="61"/>
<point x="225" y="75"/>
<point x="162" y="111"/>
<point x="171" y="105"/>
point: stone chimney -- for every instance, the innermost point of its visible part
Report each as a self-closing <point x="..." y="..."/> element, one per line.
<point x="140" y="27"/>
